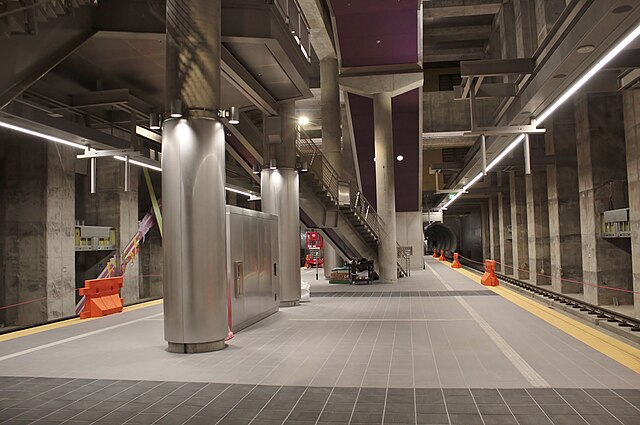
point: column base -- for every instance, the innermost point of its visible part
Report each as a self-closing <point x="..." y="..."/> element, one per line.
<point x="289" y="303"/>
<point x="201" y="347"/>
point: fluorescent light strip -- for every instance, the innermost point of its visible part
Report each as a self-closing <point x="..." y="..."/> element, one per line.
<point x="586" y="77"/>
<point x="565" y="96"/>
<point x="230" y="189"/>
<point x="42" y="135"/>
<point x="139" y="163"/>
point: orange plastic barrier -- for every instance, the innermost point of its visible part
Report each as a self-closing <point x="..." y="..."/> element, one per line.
<point x="489" y="277"/>
<point x="456" y="262"/>
<point x="442" y="255"/>
<point x="435" y="253"/>
<point x="102" y="297"/>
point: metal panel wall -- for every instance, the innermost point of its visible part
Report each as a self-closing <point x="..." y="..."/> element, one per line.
<point x="252" y="252"/>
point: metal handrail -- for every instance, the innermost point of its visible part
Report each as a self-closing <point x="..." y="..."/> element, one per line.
<point x="320" y="166"/>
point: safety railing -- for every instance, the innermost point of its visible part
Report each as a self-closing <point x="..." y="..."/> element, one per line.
<point x="300" y="29"/>
<point x="331" y="182"/>
<point x="404" y="259"/>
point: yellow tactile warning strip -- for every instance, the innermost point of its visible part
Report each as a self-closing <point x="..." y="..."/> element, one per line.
<point x="64" y="323"/>
<point x="619" y="351"/>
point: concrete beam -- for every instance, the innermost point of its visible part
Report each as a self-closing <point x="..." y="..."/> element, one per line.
<point x="321" y="32"/>
<point x="496" y="67"/>
<point x="451" y="34"/>
<point x="451" y="9"/>
<point x="395" y="84"/>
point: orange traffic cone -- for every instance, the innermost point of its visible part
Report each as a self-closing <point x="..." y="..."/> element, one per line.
<point x="442" y="255"/>
<point x="456" y="262"/>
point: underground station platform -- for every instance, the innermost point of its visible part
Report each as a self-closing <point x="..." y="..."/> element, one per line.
<point x="434" y="348"/>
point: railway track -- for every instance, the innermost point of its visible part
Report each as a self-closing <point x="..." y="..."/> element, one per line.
<point x="599" y="312"/>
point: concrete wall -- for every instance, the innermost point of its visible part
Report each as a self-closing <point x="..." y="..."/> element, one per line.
<point x="632" y="137"/>
<point x="37" y="230"/>
<point x="441" y="112"/>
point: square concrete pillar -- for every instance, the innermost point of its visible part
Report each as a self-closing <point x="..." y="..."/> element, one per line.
<point x="504" y="228"/>
<point x="538" y="227"/>
<point x="602" y="183"/>
<point x="112" y="206"/>
<point x="494" y="227"/>
<point x="37" y="200"/>
<point x="519" y="228"/>
<point x="526" y="37"/>
<point x="565" y="242"/>
<point x="409" y="232"/>
<point x="547" y="13"/>
<point x="486" y="239"/>
<point x="631" y="101"/>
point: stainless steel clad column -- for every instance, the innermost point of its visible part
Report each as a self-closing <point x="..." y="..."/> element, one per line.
<point x="280" y="196"/>
<point x="193" y="181"/>
<point x="385" y="186"/>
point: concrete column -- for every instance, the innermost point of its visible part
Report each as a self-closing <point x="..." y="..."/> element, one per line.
<point x="410" y="233"/>
<point x="526" y="37"/>
<point x="504" y="229"/>
<point x="111" y="206"/>
<point x="631" y="100"/>
<point x="602" y="184"/>
<point x="519" y="233"/>
<point x="493" y="228"/>
<point x="37" y="200"/>
<point x="565" y="241"/>
<point x="538" y="227"/>
<point x="486" y="239"/>
<point x="280" y="196"/>
<point x="547" y="13"/>
<point x="330" y="257"/>
<point x="331" y="113"/>
<point x="193" y="182"/>
<point x="385" y="188"/>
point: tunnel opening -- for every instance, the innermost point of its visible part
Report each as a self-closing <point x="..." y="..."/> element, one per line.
<point x="439" y="236"/>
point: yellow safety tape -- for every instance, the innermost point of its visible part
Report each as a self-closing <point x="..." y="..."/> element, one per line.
<point x="611" y="347"/>
<point x="70" y="322"/>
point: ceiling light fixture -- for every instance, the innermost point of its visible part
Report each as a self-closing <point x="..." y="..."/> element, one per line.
<point x="138" y="163"/>
<point x="234" y="115"/>
<point x="42" y="135"/>
<point x="176" y="108"/>
<point x="559" y="102"/>
<point x="303" y="120"/>
<point x="400" y="158"/>
<point x="586" y="77"/>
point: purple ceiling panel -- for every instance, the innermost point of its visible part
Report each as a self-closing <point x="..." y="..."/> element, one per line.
<point x="376" y="32"/>
<point x="406" y="142"/>
<point x="362" y="119"/>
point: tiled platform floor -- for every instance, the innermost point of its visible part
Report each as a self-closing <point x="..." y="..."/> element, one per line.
<point x="82" y="401"/>
<point x="423" y="350"/>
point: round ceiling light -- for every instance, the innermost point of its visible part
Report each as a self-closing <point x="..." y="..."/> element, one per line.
<point x="400" y="157"/>
<point x="303" y="120"/>
<point x="587" y="48"/>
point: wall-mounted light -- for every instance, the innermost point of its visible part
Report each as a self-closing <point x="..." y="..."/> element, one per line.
<point x="154" y="121"/>
<point x="234" y="115"/>
<point x="400" y="158"/>
<point x="303" y="120"/>
<point x="305" y="167"/>
<point x="176" y="108"/>
<point x="273" y="164"/>
<point x="257" y="169"/>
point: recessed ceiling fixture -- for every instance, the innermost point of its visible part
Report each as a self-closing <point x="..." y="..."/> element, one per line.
<point x="560" y="76"/>
<point x="622" y="9"/>
<point x="587" y="48"/>
<point x="400" y="157"/>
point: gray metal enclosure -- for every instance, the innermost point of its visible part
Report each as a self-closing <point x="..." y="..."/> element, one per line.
<point x="252" y="258"/>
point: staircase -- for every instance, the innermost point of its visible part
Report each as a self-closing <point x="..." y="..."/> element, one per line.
<point x="342" y="197"/>
<point x="23" y="16"/>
